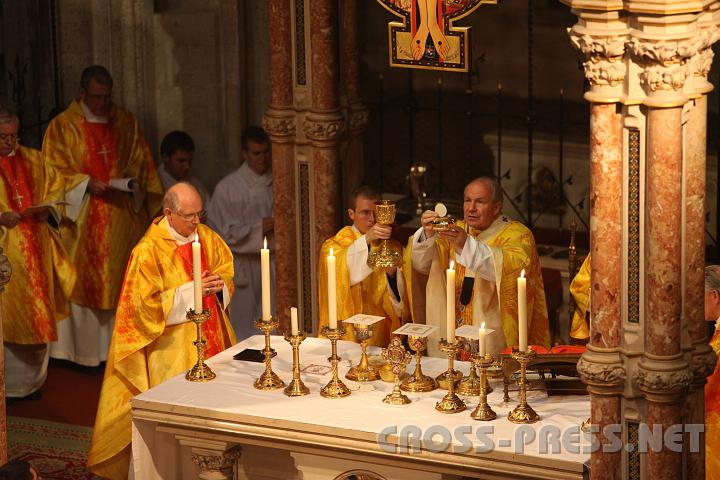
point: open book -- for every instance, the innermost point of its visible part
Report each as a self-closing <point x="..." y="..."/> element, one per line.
<point x="129" y="185"/>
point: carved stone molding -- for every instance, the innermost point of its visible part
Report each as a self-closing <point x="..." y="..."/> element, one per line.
<point x="605" y="72"/>
<point x="5" y="270"/>
<point x="663" y="379"/>
<point x="216" y="466"/>
<point x="664" y="52"/>
<point x="597" y="47"/>
<point x="324" y="127"/>
<point x="601" y="374"/>
<point x="279" y="124"/>
<point x="358" y="118"/>
<point x="605" y="67"/>
<point x="703" y="363"/>
<point x="665" y="77"/>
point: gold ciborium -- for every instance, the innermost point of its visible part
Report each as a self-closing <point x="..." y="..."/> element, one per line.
<point x="200" y="372"/>
<point x="385" y="253"/>
<point x="398" y="358"/>
<point x="418" y="382"/>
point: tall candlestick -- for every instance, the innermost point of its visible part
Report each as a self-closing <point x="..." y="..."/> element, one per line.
<point x="522" y="311"/>
<point x="197" y="274"/>
<point x="332" y="302"/>
<point x="450" y="277"/>
<point x="481" y="340"/>
<point x="265" y="275"/>
<point x="293" y="321"/>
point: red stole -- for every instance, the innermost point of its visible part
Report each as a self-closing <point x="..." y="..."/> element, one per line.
<point x="211" y="328"/>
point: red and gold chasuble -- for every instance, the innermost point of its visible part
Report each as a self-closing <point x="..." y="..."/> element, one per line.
<point x="107" y="227"/>
<point x="43" y="276"/>
<point x="144" y="350"/>
<point x="712" y="417"/>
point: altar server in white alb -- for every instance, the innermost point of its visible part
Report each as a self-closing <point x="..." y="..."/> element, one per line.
<point x="241" y="212"/>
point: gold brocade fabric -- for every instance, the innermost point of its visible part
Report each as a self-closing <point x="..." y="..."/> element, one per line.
<point x="107" y="227"/>
<point x="144" y="352"/>
<point x="43" y="275"/>
<point x="712" y="417"/>
<point x="513" y="248"/>
<point x="580" y="290"/>
<point x="369" y="296"/>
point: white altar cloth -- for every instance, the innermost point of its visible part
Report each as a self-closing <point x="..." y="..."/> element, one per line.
<point x="228" y="409"/>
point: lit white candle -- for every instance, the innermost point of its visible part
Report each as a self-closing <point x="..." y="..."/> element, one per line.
<point x="522" y="311"/>
<point x="332" y="302"/>
<point x="481" y="340"/>
<point x="265" y="276"/>
<point x="293" y="321"/>
<point x="450" y="277"/>
<point x="197" y="274"/>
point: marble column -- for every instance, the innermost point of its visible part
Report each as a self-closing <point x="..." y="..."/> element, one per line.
<point x="356" y="113"/>
<point x="279" y="122"/>
<point x="324" y="125"/>
<point x="5" y="273"/>
<point x="601" y="37"/>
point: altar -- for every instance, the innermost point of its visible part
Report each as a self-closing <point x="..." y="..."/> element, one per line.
<point x="227" y="429"/>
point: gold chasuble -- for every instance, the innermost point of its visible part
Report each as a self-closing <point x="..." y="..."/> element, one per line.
<point x="108" y="226"/>
<point x="712" y="415"/>
<point x="580" y="290"/>
<point x="493" y="302"/>
<point x="144" y="351"/>
<point x="43" y="276"/>
<point x="369" y="296"/>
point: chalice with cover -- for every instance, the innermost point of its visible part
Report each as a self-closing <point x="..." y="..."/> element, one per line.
<point x="385" y="253"/>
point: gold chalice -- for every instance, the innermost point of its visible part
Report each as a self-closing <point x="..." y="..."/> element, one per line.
<point x="418" y="382"/>
<point x="385" y="253"/>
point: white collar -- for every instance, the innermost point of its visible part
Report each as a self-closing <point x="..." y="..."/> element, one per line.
<point x="179" y="238"/>
<point x="11" y="154"/>
<point x="91" y="117"/>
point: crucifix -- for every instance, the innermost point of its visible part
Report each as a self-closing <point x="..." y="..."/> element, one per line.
<point x="18" y="198"/>
<point x="104" y="152"/>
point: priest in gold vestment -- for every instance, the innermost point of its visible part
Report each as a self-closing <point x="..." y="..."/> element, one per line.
<point x="361" y="289"/>
<point x="488" y="258"/>
<point x="43" y="276"/>
<point x="712" y="388"/>
<point x="95" y="137"/>
<point x="152" y="339"/>
<point x="580" y="290"/>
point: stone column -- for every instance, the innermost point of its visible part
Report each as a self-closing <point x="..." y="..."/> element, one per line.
<point x="324" y="125"/>
<point x="601" y="37"/>
<point x="279" y="122"/>
<point x="356" y="113"/>
<point x="5" y="273"/>
<point x="698" y="352"/>
<point x="664" y="374"/>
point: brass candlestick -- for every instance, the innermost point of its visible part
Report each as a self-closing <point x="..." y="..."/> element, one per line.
<point x="470" y="385"/>
<point x="418" y="382"/>
<point x="362" y="372"/>
<point x="450" y="403"/>
<point x="398" y="358"/>
<point x="483" y="412"/>
<point x="523" y="413"/>
<point x="385" y="253"/>
<point x="296" y="388"/>
<point x="442" y="379"/>
<point x="335" y="387"/>
<point x="200" y="372"/>
<point x="269" y="379"/>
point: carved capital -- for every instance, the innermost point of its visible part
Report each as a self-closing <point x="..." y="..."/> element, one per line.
<point x="665" y="77"/>
<point x="597" y="47"/>
<point x="358" y="118"/>
<point x="279" y="124"/>
<point x="216" y="466"/>
<point x="664" y="52"/>
<point x="324" y="127"/>
<point x="5" y="270"/>
<point x="605" y="72"/>
<point x="703" y="363"/>
<point x="663" y="381"/>
<point x="599" y="374"/>
<point x="605" y="67"/>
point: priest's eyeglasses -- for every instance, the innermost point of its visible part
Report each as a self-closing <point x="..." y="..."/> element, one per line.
<point x="191" y="216"/>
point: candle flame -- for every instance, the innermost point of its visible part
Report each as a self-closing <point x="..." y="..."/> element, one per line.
<point x="265" y="242"/>
<point x="522" y="274"/>
<point x="452" y="265"/>
<point x="331" y="252"/>
<point x="197" y="237"/>
<point x="482" y="327"/>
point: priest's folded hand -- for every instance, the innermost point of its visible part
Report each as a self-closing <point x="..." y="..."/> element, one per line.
<point x="211" y="283"/>
<point x="9" y="219"/>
